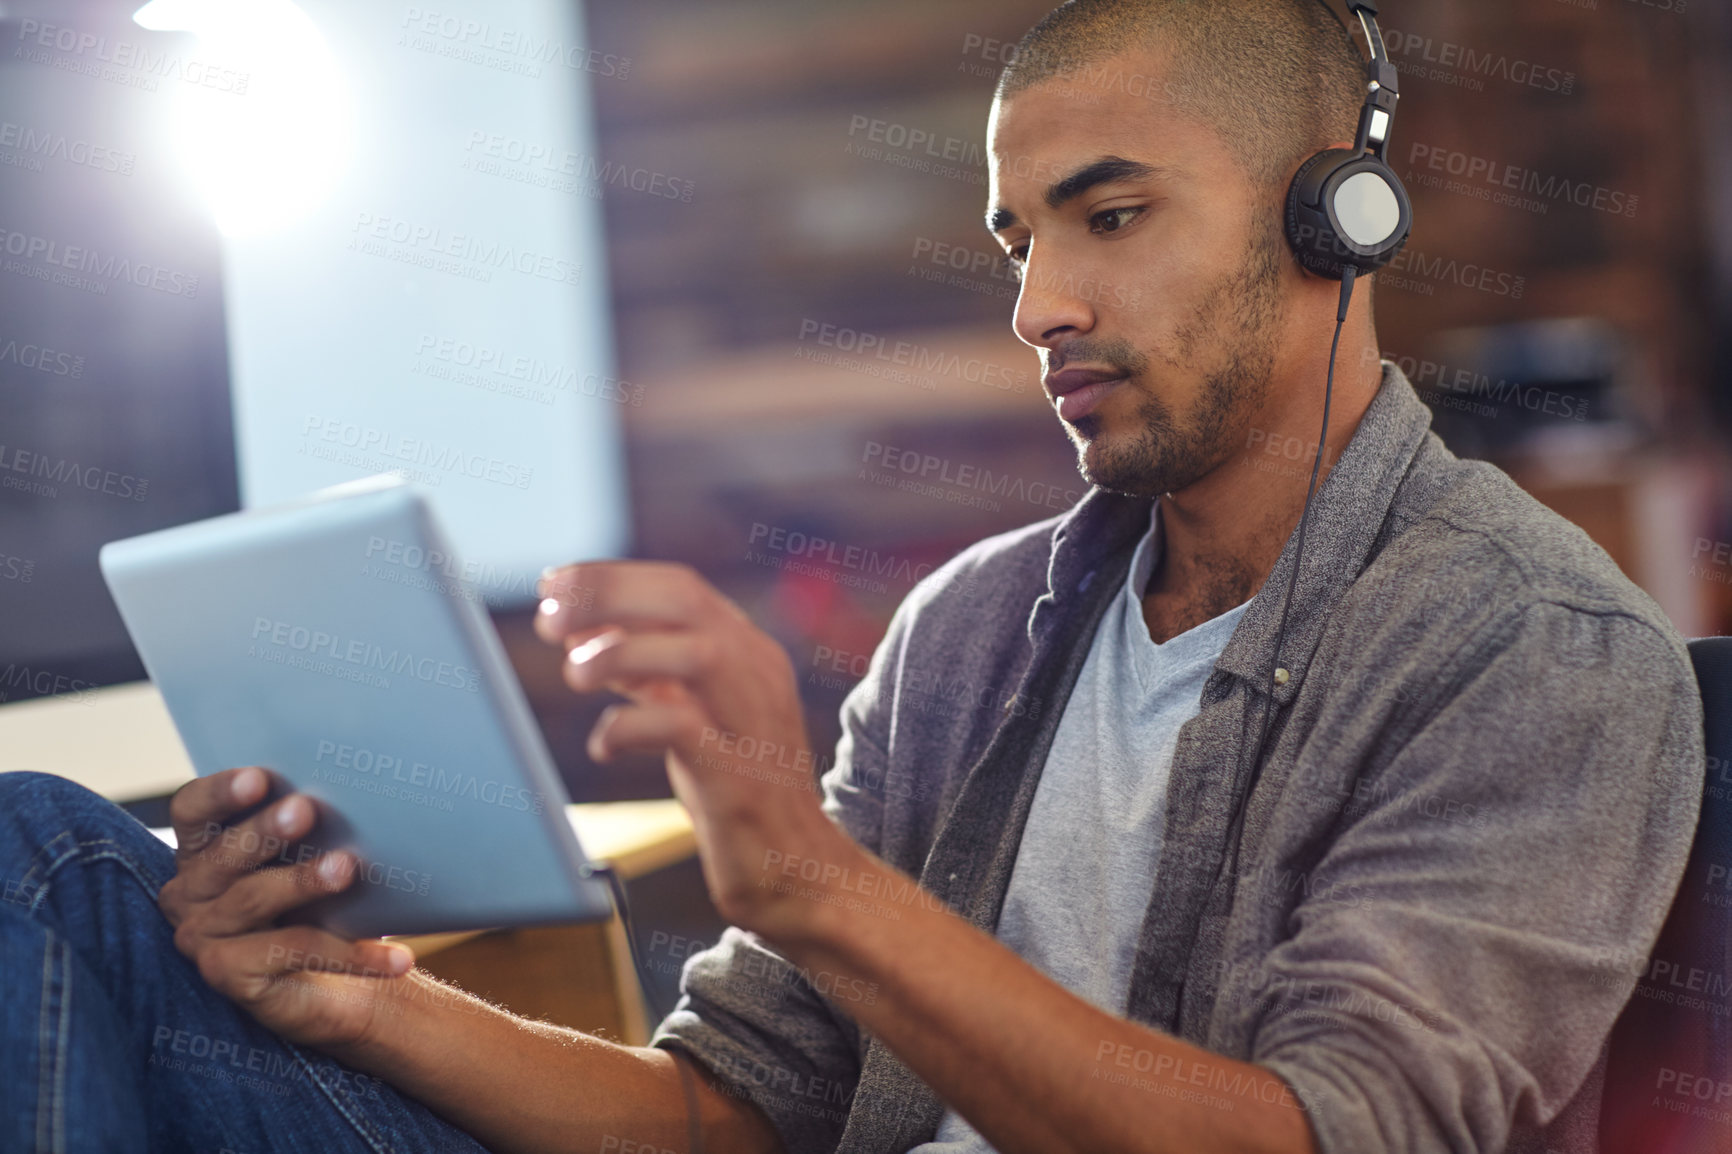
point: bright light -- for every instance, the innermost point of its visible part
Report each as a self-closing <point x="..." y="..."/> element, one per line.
<point x="265" y="131"/>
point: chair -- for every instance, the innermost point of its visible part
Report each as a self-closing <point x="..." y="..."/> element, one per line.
<point x="1669" y="1073"/>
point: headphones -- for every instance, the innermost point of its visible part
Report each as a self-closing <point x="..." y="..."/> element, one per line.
<point x="1346" y="208"/>
<point x="1347" y="214"/>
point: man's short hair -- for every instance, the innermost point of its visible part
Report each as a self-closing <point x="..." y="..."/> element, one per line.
<point x="1278" y="79"/>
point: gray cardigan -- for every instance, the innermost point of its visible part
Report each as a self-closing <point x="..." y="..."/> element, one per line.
<point x="1473" y="811"/>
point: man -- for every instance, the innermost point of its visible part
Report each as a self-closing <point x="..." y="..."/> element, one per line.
<point x="1016" y="921"/>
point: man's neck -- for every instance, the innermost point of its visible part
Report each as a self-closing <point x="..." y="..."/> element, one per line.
<point x="1222" y="536"/>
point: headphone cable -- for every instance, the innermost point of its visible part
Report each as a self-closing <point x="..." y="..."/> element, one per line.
<point x="616" y="890"/>
<point x="1234" y="832"/>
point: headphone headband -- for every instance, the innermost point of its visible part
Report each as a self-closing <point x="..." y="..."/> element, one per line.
<point x="1382" y="87"/>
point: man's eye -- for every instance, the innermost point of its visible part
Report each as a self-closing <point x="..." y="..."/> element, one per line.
<point x="1015" y="261"/>
<point x="1113" y="219"/>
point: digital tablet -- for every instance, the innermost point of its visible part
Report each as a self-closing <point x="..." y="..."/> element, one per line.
<point x="335" y="642"/>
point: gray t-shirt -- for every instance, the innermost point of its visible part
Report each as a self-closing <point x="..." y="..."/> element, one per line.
<point x="1086" y="864"/>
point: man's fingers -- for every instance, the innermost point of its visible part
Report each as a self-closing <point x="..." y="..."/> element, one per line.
<point x="645" y="729"/>
<point x="632" y="594"/>
<point x="615" y="659"/>
<point x="228" y="853"/>
<point x="256" y="901"/>
<point x="250" y="967"/>
<point x="584" y="636"/>
<point x="211" y="801"/>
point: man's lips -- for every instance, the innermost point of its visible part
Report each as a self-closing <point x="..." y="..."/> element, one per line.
<point x="1077" y="392"/>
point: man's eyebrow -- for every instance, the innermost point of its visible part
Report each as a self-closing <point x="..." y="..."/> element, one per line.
<point x="1106" y="170"/>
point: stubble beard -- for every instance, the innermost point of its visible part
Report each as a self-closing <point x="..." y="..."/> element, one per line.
<point x="1239" y="315"/>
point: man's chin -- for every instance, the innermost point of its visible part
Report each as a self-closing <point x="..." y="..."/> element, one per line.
<point x="1131" y="467"/>
<point x="1102" y="470"/>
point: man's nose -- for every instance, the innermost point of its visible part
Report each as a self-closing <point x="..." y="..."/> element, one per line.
<point x="1050" y="308"/>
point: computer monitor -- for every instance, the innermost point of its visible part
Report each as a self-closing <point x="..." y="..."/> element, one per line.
<point x="253" y="249"/>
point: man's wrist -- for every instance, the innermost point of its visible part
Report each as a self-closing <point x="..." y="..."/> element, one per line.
<point x="824" y="891"/>
<point x="401" y="1008"/>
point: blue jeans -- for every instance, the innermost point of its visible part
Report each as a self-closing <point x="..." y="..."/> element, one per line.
<point x="111" y="1041"/>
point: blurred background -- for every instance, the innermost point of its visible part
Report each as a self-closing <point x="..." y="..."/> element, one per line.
<point x="645" y="258"/>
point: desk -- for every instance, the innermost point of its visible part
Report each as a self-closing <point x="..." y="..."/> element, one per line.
<point x="120" y="742"/>
<point x="117" y="741"/>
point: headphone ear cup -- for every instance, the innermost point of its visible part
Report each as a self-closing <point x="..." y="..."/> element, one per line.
<point x="1346" y="209"/>
<point x="1309" y="232"/>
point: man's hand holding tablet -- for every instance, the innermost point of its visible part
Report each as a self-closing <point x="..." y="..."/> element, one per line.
<point x="706" y="687"/>
<point x="273" y="635"/>
<point x="306" y="984"/>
